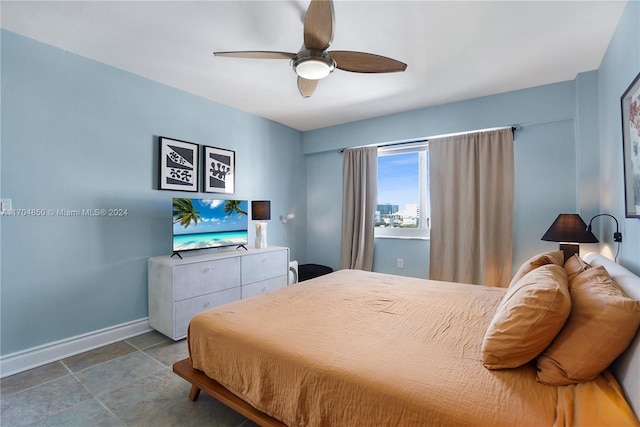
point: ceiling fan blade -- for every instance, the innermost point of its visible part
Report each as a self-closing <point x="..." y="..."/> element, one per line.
<point x="318" y="25"/>
<point x="258" y="54"/>
<point x="360" y="62"/>
<point x="306" y="87"/>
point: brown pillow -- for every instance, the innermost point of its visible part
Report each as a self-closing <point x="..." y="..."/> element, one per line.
<point x="552" y="257"/>
<point x="574" y="266"/>
<point x="602" y="323"/>
<point x="530" y="315"/>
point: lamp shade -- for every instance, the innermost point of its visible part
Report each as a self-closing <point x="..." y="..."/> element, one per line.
<point x="260" y="210"/>
<point x="569" y="228"/>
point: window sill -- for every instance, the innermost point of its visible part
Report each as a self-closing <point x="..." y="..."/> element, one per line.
<point x="402" y="237"/>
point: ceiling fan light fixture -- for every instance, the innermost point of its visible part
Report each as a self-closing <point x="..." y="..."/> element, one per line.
<point x="312" y="66"/>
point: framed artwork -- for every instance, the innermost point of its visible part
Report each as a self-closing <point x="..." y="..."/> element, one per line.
<point x="178" y="165"/>
<point x="219" y="170"/>
<point x="630" y="103"/>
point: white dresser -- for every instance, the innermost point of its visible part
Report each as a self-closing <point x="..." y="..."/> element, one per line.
<point x="181" y="288"/>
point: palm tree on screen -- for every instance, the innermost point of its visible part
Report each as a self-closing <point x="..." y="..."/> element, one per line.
<point x="233" y="205"/>
<point x="184" y="212"/>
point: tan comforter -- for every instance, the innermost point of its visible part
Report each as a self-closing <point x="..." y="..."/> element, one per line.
<point x="366" y="349"/>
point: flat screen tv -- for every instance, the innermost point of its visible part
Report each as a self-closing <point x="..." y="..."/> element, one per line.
<point x="209" y="223"/>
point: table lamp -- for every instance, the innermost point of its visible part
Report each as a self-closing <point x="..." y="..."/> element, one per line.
<point x="569" y="230"/>
<point x="261" y="211"/>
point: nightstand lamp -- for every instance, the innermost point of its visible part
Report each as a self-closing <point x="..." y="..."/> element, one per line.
<point x="261" y="211"/>
<point x="569" y="230"/>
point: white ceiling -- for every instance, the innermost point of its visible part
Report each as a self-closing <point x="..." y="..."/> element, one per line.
<point x="455" y="50"/>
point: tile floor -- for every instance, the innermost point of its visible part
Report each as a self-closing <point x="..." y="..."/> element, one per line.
<point x="129" y="383"/>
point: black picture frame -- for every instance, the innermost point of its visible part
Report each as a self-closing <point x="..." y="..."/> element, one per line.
<point x="219" y="170"/>
<point x="630" y="106"/>
<point x="178" y="165"/>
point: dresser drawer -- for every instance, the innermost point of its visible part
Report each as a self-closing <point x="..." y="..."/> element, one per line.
<point x="264" y="286"/>
<point x="198" y="278"/>
<point x="264" y="265"/>
<point x="186" y="309"/>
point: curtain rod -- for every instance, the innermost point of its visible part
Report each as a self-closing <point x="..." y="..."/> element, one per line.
<point x="514" y="129"/>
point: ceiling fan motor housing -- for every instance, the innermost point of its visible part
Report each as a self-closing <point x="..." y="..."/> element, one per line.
<point x="313" y="64"/>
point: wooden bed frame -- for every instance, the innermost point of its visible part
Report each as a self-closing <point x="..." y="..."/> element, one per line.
<point x="199" y="381"/>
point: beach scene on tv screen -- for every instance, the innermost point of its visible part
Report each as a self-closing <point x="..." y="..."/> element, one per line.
<point x="208" y="223"/>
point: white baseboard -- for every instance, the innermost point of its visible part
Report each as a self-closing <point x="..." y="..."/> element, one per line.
<point x="23" y="360"/>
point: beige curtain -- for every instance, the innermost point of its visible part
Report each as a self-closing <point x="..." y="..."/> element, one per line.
<point x="359" y="198"/>
<point x="471" y="180"/>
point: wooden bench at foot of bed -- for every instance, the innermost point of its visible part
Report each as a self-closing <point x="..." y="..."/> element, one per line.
<point x="199" y="381"/>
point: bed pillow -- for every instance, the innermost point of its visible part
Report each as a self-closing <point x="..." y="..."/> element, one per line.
<point x="602" y="323"/>
<point x="530" y="315"/>
<point x="552" y="257"/>
<point x="574" y="266"/>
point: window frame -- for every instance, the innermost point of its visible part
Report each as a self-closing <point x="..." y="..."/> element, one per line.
<point x="423" y="232"/>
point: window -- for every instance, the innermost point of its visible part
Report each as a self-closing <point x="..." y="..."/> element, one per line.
<point x="403" y="191"/>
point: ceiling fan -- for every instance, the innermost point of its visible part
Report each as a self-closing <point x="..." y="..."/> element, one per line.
<point x="313" y="62"/>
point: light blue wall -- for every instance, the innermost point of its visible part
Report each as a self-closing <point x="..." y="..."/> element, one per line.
<point x="544" y="104"/>
<point x="324" y="208"/>
<point x="387" y="251"/>
<point x="545" y="163"/>
<point x="78" y="134"/>
<point x="619" y="67"/>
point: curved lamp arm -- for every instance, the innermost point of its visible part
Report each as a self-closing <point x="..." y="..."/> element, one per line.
<point x="617" y="236"/>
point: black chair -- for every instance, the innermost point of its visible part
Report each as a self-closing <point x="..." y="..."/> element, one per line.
<point x="309" y="271"/>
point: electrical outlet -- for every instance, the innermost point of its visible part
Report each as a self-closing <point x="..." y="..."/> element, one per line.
<point x="400" y="263"/>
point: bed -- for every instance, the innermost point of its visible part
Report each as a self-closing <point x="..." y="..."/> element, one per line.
<point x="361" y="348"/>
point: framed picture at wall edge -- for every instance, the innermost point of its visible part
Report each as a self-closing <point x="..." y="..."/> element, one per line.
<point x="630" y="104"/>
<point x="219" y="170"/>
<point x="178" y="169"/>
